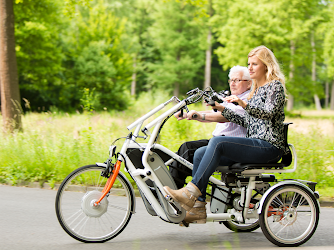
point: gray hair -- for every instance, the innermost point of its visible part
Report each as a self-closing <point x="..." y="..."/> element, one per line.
<point x="237" y="69"/>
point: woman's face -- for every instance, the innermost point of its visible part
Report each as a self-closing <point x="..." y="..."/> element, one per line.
<point x="256" y="68"/>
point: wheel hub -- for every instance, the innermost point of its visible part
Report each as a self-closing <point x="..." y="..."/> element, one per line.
<point x="88" y="204"/>
<point x="286" y="216"/>
<point x="290" y="216"/>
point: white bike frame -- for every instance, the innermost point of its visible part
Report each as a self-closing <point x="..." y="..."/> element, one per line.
<point x="141" y="175"/>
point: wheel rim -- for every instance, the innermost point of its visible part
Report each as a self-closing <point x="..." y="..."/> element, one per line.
<point x="291" y="215"/>
<point x="78" y="214"/>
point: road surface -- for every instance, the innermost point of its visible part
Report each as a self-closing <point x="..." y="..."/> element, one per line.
<point x="28" y="221"/>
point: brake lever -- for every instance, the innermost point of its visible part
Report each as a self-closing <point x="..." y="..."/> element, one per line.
<point x="181" y="113"/>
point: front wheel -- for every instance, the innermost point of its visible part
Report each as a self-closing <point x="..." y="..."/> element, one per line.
<point x="86" y="222"/>
<point x="289" y="216"/>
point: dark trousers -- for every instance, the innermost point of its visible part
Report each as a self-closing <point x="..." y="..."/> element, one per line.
<point x="187" y="150"/>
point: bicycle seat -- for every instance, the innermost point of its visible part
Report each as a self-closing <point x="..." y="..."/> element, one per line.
<point x="284" y="162"/>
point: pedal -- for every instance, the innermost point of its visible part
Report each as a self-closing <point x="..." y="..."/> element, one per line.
<point x="176" y="209"/>
<point x="170" y="200"/>
<point x="184" y="224"/>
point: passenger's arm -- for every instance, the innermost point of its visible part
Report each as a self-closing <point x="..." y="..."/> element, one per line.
<point x="209" y="116"/>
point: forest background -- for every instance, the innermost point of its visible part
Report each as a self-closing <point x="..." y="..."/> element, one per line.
<point x="117" y="48"/>
<point x="108" y="57"/>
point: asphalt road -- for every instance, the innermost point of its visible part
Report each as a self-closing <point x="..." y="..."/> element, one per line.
<point x="28" y="221"/>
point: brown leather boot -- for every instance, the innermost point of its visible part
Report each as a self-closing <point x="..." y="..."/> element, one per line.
<point x="185" y="196"/>
<point x="197" y="214"/>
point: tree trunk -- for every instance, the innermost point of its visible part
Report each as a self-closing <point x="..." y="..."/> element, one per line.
<point x="314" y="73"/>
<point x="332" y="97"/>
<point x="208" y="53"/>
<point x="134" y="76"/>
<point x="317" y="102"/>
<point x="289" y="106"/>
<point x="176" y="89"/>
<point x="326" y="94"/>
<point x="177" y="84"/>
<point x="10" y="93"/>
<point x="207" y="74"/>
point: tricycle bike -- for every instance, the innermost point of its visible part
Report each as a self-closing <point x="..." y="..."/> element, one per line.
<point x="95" y="203"/>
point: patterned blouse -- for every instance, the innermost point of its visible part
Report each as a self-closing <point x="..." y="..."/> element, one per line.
<point x="264" y="114"/>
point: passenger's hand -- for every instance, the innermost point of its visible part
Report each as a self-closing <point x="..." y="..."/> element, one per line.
<point x="177" y="116"/>
<point x="234" y="98"/>
<point x="218" y="107"/>
<point x="193" y="115"/>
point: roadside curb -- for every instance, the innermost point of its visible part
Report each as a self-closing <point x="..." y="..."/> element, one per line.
<point x="324" y="202"/>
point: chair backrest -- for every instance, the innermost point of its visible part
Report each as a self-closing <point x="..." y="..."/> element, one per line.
<point x="287" y="157"/>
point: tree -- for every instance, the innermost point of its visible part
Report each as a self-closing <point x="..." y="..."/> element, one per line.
<point x="10" y="94"/>
<point x="329" y="51"/>
<point x="39" y="26"/>
<point x="284" y="26"/>
<point x="139" y="18"/>
<point x="208" y="53"/>
<point x="179" y="36"/>
<point x="96" y="58"/>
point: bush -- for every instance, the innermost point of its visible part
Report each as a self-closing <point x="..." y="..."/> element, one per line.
<point x="315" y="157"/>
<point x="54" y="144"/>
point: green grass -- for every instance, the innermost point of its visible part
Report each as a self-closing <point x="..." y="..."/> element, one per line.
<point x="53" y="144"/>
<point x="326" y="193"/>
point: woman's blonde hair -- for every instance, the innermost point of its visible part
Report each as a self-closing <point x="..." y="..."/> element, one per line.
<point x="273" y="71"/>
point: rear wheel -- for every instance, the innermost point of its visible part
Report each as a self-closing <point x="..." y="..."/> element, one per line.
<point x="242" y="227"/>
<point x="250" y="224"/>
<point x="289" y="216"/>
<point x="84" y="221"/>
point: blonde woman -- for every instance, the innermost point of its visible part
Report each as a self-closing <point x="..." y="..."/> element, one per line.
<point x="264" y="142"/>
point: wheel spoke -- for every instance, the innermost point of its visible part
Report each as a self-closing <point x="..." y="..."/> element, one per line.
<point x="79" y="216"/>
<point x="290" y="216"/>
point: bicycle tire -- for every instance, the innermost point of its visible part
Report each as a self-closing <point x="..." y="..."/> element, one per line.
<point x="242" y="227"/>
<point x="289" y="216"/>
<point x="87" y="223"/>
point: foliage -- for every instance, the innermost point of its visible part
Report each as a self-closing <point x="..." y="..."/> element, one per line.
<point x="39" y="54"/>
<point x="285" y="27"/>
<point x="53" y="143"/>
<point x="59" y="56"/>
<point x="64" y="47"/>
<point x="96" y="57"/>
<point x="315" y="158"/>
<point x="178" y="35"/>
<point x="328" y="48"/>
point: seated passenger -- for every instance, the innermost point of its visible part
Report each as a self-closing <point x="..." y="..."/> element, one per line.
<point x="240" y="84"/>
<point x="264" y="142"/>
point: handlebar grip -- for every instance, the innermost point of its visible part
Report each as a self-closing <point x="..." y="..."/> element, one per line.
<point x="194" y="116"/>
<point x="212" y="103"/>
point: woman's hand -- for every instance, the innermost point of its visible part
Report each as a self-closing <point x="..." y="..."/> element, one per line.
<point x="234" y="98"/>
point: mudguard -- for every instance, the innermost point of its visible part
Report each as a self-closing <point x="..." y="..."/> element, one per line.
<point x="283" y="183"/>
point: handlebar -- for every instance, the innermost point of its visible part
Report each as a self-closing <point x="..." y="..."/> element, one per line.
<point x="194" y="95"/>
